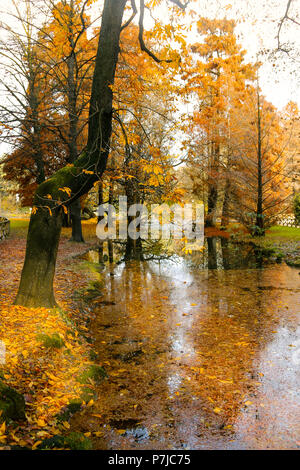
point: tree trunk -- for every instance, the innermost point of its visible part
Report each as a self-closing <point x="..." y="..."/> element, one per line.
<point x="211" y="206"/>
<point x="36" y="286"/>
<point x="259" y="229"/>
<point x="75" y="209"/>
<point x="225" y="209"/>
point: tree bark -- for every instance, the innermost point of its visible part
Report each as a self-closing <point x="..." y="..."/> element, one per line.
<point x="211" y="206"/>
<point x="75" y="210"/>
<point x="225" y="209"/>
<point x="36" y="285"/>
<point x="259" y="229"/>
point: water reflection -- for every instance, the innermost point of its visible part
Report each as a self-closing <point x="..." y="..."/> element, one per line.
<point x="199" y="352"/>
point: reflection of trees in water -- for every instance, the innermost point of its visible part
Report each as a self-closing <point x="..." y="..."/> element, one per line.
<point x="219" y="253"/>
<point x="212" y="253"/>
<point x="134" y="249"/>
<point x="231" y="324"/>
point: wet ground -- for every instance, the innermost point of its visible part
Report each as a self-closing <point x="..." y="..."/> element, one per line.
<point x="202" y="352"/>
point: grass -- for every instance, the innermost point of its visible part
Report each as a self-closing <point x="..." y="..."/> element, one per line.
<point x="19" y="228"/>
<point x="291" y="233"/>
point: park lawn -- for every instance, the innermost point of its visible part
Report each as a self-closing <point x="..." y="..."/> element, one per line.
<point x="19" y="228"/>
<point x="278" y="232"/>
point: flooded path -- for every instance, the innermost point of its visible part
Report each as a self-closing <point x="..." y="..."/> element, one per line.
<point x="197" y="358"/>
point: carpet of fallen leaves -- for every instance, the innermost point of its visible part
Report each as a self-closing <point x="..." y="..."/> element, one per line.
<point x="45" y="376"/>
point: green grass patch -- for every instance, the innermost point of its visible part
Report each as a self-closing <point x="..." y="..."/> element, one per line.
<point x="52" y="342"/>
<point x="19" y="227"/>
<point x="94" y="373"/>
<point x="277" y="231"/>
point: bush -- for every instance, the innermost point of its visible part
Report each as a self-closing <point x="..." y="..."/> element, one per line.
<point x="297" y="208"/>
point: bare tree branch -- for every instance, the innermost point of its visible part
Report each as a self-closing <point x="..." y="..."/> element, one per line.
<point x="285" y="18"/>
<point x="141" y="35"/>
<point x="134" y="12"/>
<point x="180" y="4"/>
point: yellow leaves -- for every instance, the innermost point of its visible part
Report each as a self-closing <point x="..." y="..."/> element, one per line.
<point x="87" y="172"/>
<point x="34" y="209"/>
<point x="66" y="425"/>
<point x="248" y="403"/>
<point x="41" y="423"/>
<point x="36" y="444"/>
<point x="2" y="428"/>
<point x="67" y="190"/>
<point x="51" y="376"/>
<point x="217" y="410"/>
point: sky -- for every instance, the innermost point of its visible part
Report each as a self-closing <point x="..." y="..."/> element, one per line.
<point x="257" y="27"/>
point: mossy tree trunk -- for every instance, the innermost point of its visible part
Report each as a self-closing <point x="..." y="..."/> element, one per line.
<point x="36" y="285"/>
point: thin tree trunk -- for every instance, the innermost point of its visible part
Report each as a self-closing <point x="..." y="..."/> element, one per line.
<point x="75" y="211"/>
<point x="259" y="231"/>
<point x="36" y="285"/>
<point x="225" y="209"/>
<point x="75" y="207"/>
<point x="211" y="206"/>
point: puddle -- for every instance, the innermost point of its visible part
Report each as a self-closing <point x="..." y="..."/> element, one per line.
<point x="202" y="352"/>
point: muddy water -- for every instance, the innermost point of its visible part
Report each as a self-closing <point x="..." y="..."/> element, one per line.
<point x="197" y="358"/>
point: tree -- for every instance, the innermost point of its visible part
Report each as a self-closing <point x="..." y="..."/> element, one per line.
<point x="23" y="110"/>
<point x="70" y="54"/>
<point x="260" y="191"/>
<point x="57" y="98"/>
<point x="218" y="81"/>
<point x="140" y="165"/>
<point x="69" y="183"/>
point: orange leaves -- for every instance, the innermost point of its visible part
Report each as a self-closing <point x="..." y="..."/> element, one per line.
<point x="66" y="190"/>
<point x="46" y="376"/>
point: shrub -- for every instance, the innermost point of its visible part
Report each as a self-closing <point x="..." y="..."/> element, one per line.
<point x="297" y="208"/>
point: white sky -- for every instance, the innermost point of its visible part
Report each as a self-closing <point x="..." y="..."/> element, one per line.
<point x="257" y="29"/>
